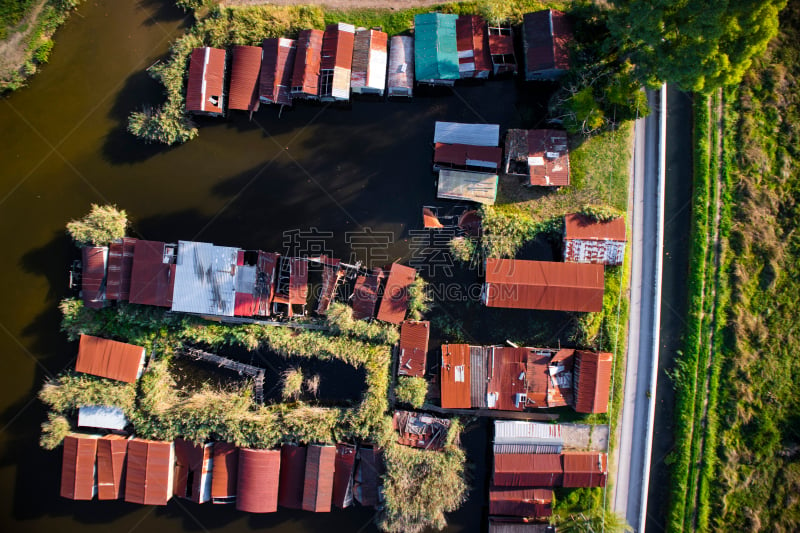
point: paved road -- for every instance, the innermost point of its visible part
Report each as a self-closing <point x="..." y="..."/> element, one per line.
<point x="636" y="429"/>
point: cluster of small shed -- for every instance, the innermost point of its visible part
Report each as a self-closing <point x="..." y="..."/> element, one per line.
<point x="222" y="282"/>
<point x="331" y="65"/>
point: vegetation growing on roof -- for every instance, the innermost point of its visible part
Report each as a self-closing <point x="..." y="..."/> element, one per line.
<point x="340" y="319"/>
<point x="102" y="225"/>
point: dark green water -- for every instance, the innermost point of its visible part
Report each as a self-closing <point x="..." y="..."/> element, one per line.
<point x="63" y="146"/>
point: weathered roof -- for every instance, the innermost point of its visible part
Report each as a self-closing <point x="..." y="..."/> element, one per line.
<point x="365" y="294"/>
<point x="111" y="452"/>
<point x="343" y="475"/>
<point x="546" y="36"/>
<point x="577" y="226"/>
<point x="530" y="503"/>
<point x="501" y="44"/>
<point x="259" y="474"/>
<point x="244" y="77"/>
<point x="337" y="58"/>
<point x="192" y="462"/>
<point x="455" y="376"/>
<point x="293" y="466"/>
<point x="477" y="187"/>
<point x="507" y="386"/>
<point x="469" y="134"/>
<point x="489" y="157"/>
<point x="205" y="86"/>
<point x="502" y="525"/>
<point x="394" y="302"/>
<point x="205" y="279"/>
<point x="224" y="470"/>
<point x="519" y="436"/>
<point x="102" y="416"/>
<point x="277" y="70"/>
<point x="305" y="76"/>
<point x="77" y="467"/>
<point x="543" y="153"/>
<point x="515" y="283"/>
<point x="413" y="348"/>
<point x="120" y="266"/>
<point x="153" y="274"/>
<point x="149" y="475"/>
<point x="592" y="378"/>
<point x="109" y="359"/>
<point x="369" y="60"/>
<point x="473" y="46"/>
<point x="559" y="375"/>
<point x="420" y="430"/>
<point x="318" y="484"/>
<point x="401" y="65"/>
<point x="435" y="49"/>
<point x="585" y="469"/>
<point x="527" y="470"/>
<point x="367" y="476"/>
<point x="93" y="275"/>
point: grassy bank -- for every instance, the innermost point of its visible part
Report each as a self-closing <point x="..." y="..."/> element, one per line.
<point x="27" y="27"/>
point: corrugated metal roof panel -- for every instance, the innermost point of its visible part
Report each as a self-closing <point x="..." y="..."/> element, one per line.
<point x="318" y="484"/>
<point x="365" y="294"/>
<point x="469" y="134"/>
<point x="205" y="277"/>
<point x="111" y="453"/>
<point x="541" y="155"/>
<point x="592" y="241"/>
<point x="305" y="77"/>
<point x="546" y="36"/>
<point x="367" y="476"/>
<point x="537" y="378"/>
<point x="192" y="471"/>
<point x="473" y="47"/>
<point x="507" y="383"/>
<point x="435" y="48"/>
<point x="560" y="382"/>
<point x="225" y="472"/>
<point x="514" y="283"/>
<point x="592" y="378"/>
<point x="120" y="265"/>
<point x="517" y="436"/>
<point x="277" y="71"/>
<point x="455" y="376"/>
<point x="479" y="380"/>
<point x="477" y="187"/>
<point x="293" y="466"/>
<point x="343" y="475"/>
<point x="259" y="475"/>
<point x="150" y="469"/>
<point x="153" y="274"/>
<point x="109" y="359"/>
<point x="77" y="467"/>
<point x="527" y="470"/>
<point x="529" y="503"/>
<point x="394" y="302"/>
<point x="585" y="469"/>
<point x="577" y="226"/>
<point x="93" y="275"/>
<point x="336" y="62"/>
<point x="244" y="77"/>
<point x="102" y="416"/>
<point x="369" y="61"/>
<point x="464" y="155"/>
<point x="502" y="525"/>
<point x="413" y="348"/>
<point x="206" y="81"/>
<point x="401" y="66"/>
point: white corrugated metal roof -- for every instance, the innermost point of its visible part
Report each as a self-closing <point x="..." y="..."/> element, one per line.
<point x="521" y="432"/>
<point x="470" y="134"/>
<point x="102" y="416"/>
<point x="205" y="277"/>
<point x="246" y="279"/>
<point x="471" y="186"/>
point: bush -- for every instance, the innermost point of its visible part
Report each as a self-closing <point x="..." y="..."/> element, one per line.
<point x="70" y="391"/>
<point x="340" y="319"/>
<point x="419" y="301"/>
<point x="411" y="390"/>
<point x="463" y="249"/>
<point x="53" y="431"/>
<point x="292" y="386"/>
<point x="100" y="227"/>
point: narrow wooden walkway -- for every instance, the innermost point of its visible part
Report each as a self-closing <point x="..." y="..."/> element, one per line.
<point x="242" y="368"/>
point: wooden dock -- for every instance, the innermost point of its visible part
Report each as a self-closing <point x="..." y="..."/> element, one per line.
<point x="229" y="364"/>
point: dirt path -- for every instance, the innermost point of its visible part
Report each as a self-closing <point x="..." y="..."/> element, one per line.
<point x="13" y="49"/>
<point x="343" y="4"/>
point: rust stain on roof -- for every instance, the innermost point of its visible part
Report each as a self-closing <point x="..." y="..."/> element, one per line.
<point x="592" y="380"/>
<point x="77" y="467"/>
<point x="149" y="472"/>
<point x="244" y="77"/>
<point x="527" y="470"/>
<point x="529" y="503"/>
<point x="413" y="348"/>
<point x="153" y="275"/>
<point x="120" y="266"/>
<point x="225" y="470"/>
<point x="394" y="303"/>
<point x="111" y="453"/>
<point x="109" y="359"/>
<point x="259" y="475"/>
<point x="93" y="275"/>
<point x="277" y="70"/>
<point x="577" y="226"/>
<point x="455" y="376"/>
<point x="205" y="86"/>
<point x="293" y="466"/>
<point x="318" y="484"/>
<point x="305" y="77"/>
<point x="585" y="469"/>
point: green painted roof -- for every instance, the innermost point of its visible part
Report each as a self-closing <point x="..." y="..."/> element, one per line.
<point x="435" y="51"/>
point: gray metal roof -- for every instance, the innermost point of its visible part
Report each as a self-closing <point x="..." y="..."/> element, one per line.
<point x="102" y="416"/>
<point x="205" y="279"/>
<point x="470" y="134"/>
<point x="518" y="436"/>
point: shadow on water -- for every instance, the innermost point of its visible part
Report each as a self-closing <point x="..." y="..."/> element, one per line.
<point x="164" y="11"/>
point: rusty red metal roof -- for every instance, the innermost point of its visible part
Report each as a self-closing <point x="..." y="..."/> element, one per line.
<point x="420" y="430"/>
<point x="206" y="81"/>
<point x="298" y="283"/>
<point x="365" y="294"/>
<point x="537" y="378"/>
<point x="370" y="55"/>
<point x="277" y="70"/>
<point x="455" y="376"/>
<point x="120" y="265"/>
<point x="244" y="78"/>
<point x="527" y="470"/>
<point x="585" y="469"/>
<point x="367" y="476"/>
<point x="550" y="147"/>
<point x="336" y="62"/>
<point x="463" y="155"/>
<point x="413" y="348"/>
<point x="93" y="275"/>
<point x="430" y="220"/>
<point x="529" y="503"/>
<point x="343" y="475"/>
<point x="293" y="466"/>
<point x="149" y="473"/>
<point x="318" y="484"/>
<point x="473" y="47"/>
<point x="77" y="467"/>
<point x="501" y="44"/>
<point x="559" y="391"/>
<point x="394" y="302"/>
<point x="546" y="35"/>
<point x="577" y="226"/>
<point x="192" y="462"/>
<point x="111" y="452"/>
<point x="259" y="474"/>
<point x="109" y="359"/>
<point x="225" y="471"/>
<point x="508" y="378"/>
<point x="305" y="77"/>
<point x="153" y="279"/>
<point x="519" y="284"/>
<point x="592" y="379"/>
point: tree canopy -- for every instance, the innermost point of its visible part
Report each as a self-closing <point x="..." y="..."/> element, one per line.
<point x="103" y="224"/>
<point x="700" y="45"/>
